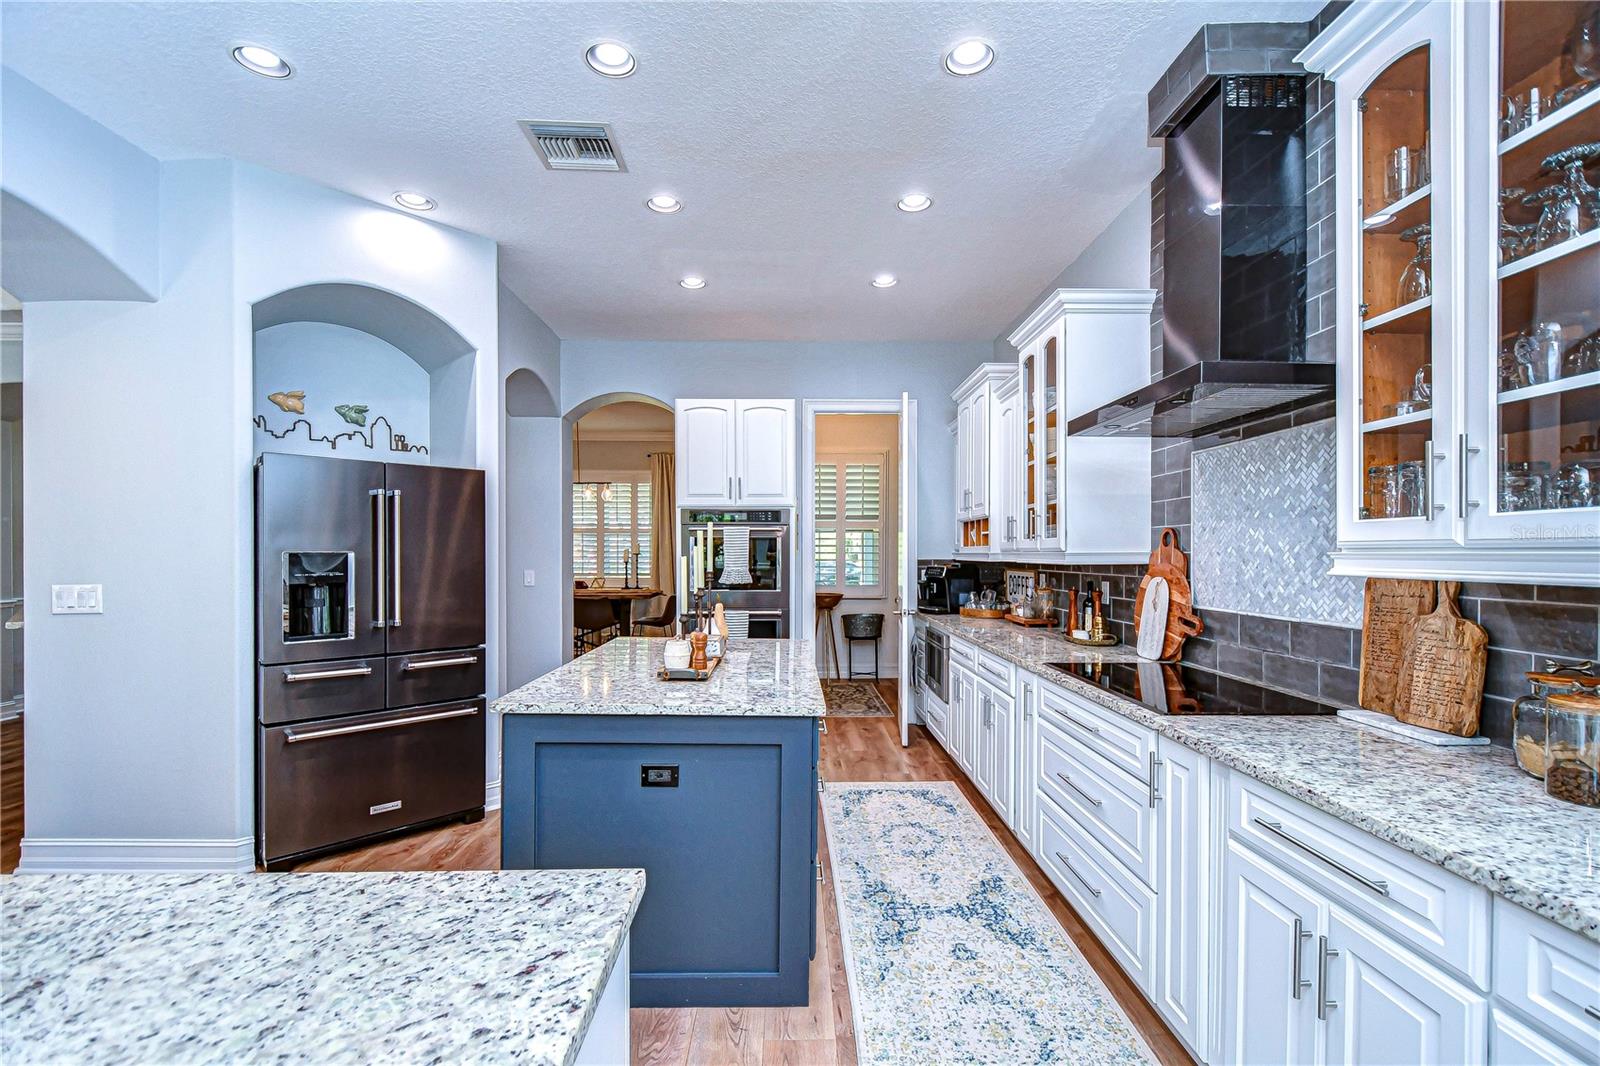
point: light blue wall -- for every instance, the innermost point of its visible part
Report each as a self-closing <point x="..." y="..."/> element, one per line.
<point x="1119" y="258"/>
<point x="929" y="371"/>
<point x="335" y="365"/>
<point x="80" y="201"/>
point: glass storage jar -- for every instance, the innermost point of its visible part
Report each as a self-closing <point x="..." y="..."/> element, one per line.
<point x="1529" y="713"/>
<point x="1572" y="748"/>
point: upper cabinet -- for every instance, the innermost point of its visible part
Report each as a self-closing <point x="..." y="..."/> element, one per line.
<point x="1468" y="307"/>
<point x="1081" y="499"/>
<point x="735" y="453"/>
<point x="978" y="479"/>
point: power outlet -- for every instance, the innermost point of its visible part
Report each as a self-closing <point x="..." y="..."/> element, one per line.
<point x="76" y="599"/>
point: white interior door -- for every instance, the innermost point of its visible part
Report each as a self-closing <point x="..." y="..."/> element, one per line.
<point x="906" y="532"/>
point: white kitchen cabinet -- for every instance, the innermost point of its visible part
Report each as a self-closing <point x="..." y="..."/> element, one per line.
<point x="735" y="453"/>
<point x="1381" y="1003"/>
<point x="977" y="473"/>
<point x="764" y="453"/>
<point x="1083" y="499"/>
<point x="1433" y="483"/>
<point x="704" y="446"/>
<point x="1269" y="927"/>
<point x="1182" y="990"/>
<point x="1005" y="497"/>
<point x="1026" y="746"/>
<point x="959" y="724"/>
<point x="996" y="773"/>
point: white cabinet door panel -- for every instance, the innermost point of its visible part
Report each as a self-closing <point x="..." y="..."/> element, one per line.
<point x="1270" y="923"/>
<point x="1182" y="991"/>
<point x="705" y="452"/>
<point x="764" y="471"/>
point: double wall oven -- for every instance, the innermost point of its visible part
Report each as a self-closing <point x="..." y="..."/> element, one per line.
<point x="766" y="594"/>
<point x="370" y="627"/>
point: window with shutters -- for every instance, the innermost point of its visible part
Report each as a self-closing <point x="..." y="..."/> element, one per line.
<point x="848" y="524"/>
<point x="609" y="520"/>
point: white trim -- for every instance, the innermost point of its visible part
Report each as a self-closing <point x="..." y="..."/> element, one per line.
<point x="77" y="855"/>
<point x="10" y="331"/>
<point x="986" y="372"/>
<point x="491" y="796"/>
<point x="1523" y="565"/>
<point x="1347" y="37"/>
<point x="1081" y="302"/>
<point x="626" y="436"/>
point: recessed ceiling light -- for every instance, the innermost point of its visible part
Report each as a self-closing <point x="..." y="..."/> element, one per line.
<point x="262" y="61"/>
<point x="610" y="59"/>
<point x="885" y="281"/>
<point x="969" y="57"/>
<point x="914" y="201"/>
<point x="693" y="281"/>
<point x="414" y="201"/>
<point x="664" y="204"/>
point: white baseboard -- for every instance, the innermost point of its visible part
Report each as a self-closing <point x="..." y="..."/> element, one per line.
<point x="491" y="795"/>
<point x="81" y="855"/>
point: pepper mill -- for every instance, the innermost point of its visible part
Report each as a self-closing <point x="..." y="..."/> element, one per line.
<point x="1072" y="610"/>
<point x="1098" y="629"/>
<point x="697" y="650"/>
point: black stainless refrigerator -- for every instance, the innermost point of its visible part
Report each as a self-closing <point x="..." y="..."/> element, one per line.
<point x="370" y="623"/>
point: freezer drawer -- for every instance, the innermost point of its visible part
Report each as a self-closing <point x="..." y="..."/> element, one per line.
<point x="329" y="782"/>
<point x="300" y="691"/>
<point x="435" y="676"/>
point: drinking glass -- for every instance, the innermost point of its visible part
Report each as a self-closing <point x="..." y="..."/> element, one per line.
<point x="1584" y="357"/>
<point x="1415" y="282"/>
<point x="1582" y="57"/>
<point x="1513" y="371"/>
<point x="1576" y="484"/>
<point x="1383" y="491"/>
<point x="1400" y="177"/>
<point x="1521" y="110"/>
<point x="1570" y="206"/>
<point x="1409" y="488"/>
<point x="1522" y="486"/>
<point x="1539" y="349"/>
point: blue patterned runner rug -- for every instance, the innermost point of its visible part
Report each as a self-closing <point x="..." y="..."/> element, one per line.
<point x="952" y="956"/>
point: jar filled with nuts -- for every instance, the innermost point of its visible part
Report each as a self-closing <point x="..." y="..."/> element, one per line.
<point x="1572" y="748"/>
<point x="1528" y="725"/>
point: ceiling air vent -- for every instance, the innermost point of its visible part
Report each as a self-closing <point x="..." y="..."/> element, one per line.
<point x="574" y="145"/>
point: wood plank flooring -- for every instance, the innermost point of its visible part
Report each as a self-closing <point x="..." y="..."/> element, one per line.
<point x="821" y="1034"/>
<point x="10" y="794"/>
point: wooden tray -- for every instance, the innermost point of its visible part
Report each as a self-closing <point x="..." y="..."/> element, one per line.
<point x="1107" y="642"/>
<point x="982" y="612"/>
<point x="1019" y="621"/>
<point x="663" y="674"/>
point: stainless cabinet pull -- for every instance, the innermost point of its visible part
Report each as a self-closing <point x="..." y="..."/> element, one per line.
<point x="740" y="482"/>
<point x="730" y="488"/>
<point x="1324" y="953"/>
<point x="1427" y="479"/>
<point x="1297" y="984"/>
<point x="290" y="736"/>
<point x="434" y="664"/>
<point x="380" y="578"/>
<point x="1462" y="451"/>
<point x="1065" y="780"/>
<point x="1593" y="1012"/>
<point x="1150" y="780"/>
<point x="328" y="675"/>
<point x="1276" y="828"/>
<point x="394" y="619"/>
<point x="1091" y="730"/>
<point x="1095" y="892"/>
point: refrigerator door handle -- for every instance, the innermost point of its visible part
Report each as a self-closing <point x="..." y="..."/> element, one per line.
<point x="394" y="565"/>
<point x="380" y="580"/>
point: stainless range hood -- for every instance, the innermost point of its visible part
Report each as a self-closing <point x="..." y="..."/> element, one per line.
<point x="1232" y="110"/>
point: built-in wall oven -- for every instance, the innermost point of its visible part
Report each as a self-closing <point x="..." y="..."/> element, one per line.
<point x="759" y="585"/>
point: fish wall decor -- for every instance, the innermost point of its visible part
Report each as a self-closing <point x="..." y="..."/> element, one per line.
<point x="292" y="402"/>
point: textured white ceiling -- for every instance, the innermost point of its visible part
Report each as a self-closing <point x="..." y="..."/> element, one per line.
<point x="789" y="130"/>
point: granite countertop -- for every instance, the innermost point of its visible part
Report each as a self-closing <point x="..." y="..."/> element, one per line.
<point x="358" y="967"/>
<point x="1469" y="810"/>
<point x="770" y="678"/>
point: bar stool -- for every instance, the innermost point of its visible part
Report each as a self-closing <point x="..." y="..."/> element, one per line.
<point x="859" y="627"/>
<point x="826" y="602"/>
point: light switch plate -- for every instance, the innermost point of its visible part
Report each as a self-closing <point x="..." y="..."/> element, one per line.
<point x="76" y="599"/>
<point x="527" y="579"/>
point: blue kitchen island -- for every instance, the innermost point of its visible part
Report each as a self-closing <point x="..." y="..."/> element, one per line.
<point x="710" y="787"/>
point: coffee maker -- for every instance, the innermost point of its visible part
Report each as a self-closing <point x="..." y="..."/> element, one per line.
<point x="942" y="587"/>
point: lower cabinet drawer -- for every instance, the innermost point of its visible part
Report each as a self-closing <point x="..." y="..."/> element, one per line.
<point x="1123" y="743"/>
<point x="1111" y="807"/>
<point x="1418" y="903"/>
<point x="1121" y="911"/>
<point x="935" y="718"/>
<point x="1511" y="1043"/>
<point x="1548" y="973"/>
<point x="334" y="780"/>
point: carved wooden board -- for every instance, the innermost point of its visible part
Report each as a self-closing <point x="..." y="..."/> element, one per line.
<point x="1390" y="606"/>
<point x="1169" y="562"/>
<point x="1441" y="677"/>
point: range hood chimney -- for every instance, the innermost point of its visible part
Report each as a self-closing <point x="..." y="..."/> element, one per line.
<point x="1232" y="111"/>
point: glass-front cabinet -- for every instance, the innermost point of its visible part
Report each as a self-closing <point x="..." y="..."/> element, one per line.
<point x="1468" y="247"/>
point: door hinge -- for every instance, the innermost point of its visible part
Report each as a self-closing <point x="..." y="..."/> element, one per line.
<point x="1361" y="104"/>
<point x="1363" y="310"/>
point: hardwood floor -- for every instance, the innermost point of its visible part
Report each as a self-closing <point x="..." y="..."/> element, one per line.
<point x="820" y="1034"/>
<point x="10" y="794"/>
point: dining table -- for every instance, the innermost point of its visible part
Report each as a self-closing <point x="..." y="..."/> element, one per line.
<point x="621" y="600"/>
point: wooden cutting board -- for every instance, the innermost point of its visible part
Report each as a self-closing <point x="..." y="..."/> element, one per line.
<point x="1390" y="605"/>
<point x="1169" y="562"/>
<point x="1441" y="676"/>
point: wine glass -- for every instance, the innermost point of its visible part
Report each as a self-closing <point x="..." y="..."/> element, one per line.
<point x="1415" y="280"/>
<point x="1582" y="57"/>
<point x="1570" y="206"/>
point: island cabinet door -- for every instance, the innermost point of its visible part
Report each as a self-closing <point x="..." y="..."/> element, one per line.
<point x="717" y="812"/>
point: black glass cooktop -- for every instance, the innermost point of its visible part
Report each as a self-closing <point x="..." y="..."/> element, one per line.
<point x="1178" y="688"/>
